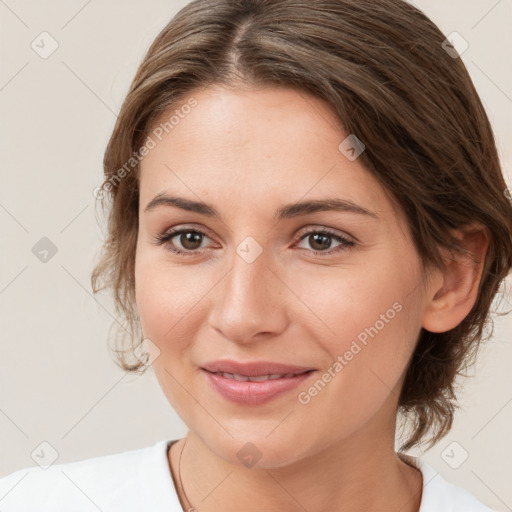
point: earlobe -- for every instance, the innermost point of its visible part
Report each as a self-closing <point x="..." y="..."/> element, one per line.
<point x="455" y="291"/>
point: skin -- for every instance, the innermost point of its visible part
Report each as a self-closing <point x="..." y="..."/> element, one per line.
<point x="247" y="153"/>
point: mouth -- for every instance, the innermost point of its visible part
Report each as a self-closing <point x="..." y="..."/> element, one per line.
<point x="241" y="370"/>
<point x="247" y="389"/>
<point x="258" y="378"/>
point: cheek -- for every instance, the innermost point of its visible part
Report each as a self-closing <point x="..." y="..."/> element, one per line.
<point x="372" y="301"/>
<point x="168" y="299"/>
<point x="370" y="321"/>
<point x="169" y="305"/>
<point x="372" y="332"/>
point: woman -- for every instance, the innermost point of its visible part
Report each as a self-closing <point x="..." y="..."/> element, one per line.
<point x="307" y="225"/>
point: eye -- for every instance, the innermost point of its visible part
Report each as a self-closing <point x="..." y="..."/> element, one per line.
<point x="188" y="238"/>
<point x="320" y="239"/>
<point x="191" y="240"/>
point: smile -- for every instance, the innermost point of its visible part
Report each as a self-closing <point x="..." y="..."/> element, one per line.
<point x="253" y="390"/>
<point x="260" y="378"/>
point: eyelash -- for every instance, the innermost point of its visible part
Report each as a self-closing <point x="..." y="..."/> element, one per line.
<point x="164" y="238"/>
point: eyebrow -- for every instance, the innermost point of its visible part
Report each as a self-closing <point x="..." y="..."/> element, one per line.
<point x="286" y="211"/>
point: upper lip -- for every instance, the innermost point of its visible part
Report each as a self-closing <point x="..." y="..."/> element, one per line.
<point x="254" y="368"/>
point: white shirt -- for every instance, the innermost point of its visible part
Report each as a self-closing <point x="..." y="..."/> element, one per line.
<point x="140" y="480"/>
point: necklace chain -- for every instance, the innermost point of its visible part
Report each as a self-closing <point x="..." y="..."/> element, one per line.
<point x="191" y="507"/>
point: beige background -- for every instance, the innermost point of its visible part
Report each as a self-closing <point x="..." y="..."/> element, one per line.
<point x="57" y="382"/>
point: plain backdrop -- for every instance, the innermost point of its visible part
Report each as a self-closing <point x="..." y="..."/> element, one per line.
<point x="58" y="383"/>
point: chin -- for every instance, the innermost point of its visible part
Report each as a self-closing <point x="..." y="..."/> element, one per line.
<point x="257" y="449"/>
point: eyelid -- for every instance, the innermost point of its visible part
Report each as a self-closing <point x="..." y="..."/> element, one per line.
<point x="328" y="230"/>
<point x="190" y="227"/>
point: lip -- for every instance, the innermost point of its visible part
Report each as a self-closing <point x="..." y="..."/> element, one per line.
<point x="253" y="368"/>
<point x="254" y="393"/>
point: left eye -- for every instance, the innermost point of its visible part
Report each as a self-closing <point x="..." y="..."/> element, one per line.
<point x="322" y="237"/>
<point x="191" y="240"/>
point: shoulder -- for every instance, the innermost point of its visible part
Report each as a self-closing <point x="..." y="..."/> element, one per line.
<point x="439" y="494"/>
<point x="82" y="486"/>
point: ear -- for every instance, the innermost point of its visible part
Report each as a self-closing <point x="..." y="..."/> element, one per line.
<point x="455" y="291"/>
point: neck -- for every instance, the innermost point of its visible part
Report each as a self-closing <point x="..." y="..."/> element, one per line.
<point x="360" y="473"/>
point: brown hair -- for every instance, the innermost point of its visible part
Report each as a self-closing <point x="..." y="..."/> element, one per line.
<point x="382" y="67"/>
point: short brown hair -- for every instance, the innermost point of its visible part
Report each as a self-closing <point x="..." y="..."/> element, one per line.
<point x="382" y="67"/>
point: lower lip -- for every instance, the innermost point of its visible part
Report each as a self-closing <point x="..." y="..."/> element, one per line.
<point x="253" y="393"/>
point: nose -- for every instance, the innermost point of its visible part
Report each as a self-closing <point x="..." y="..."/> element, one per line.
<point x="250" y="301"/>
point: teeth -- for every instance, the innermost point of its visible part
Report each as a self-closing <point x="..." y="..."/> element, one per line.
<point x="259" y="378"/>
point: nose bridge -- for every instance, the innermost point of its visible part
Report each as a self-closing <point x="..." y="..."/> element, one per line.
<point x="248" y="299"/>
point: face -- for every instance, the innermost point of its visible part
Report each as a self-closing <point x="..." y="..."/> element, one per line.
<point x="338" y="291"/>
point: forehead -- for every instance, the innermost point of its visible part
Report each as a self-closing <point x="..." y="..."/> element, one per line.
<point x="260" y="144"/>
<point x="234" y="118"/>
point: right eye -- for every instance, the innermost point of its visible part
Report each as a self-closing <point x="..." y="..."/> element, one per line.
<point x="188" y="239"/>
